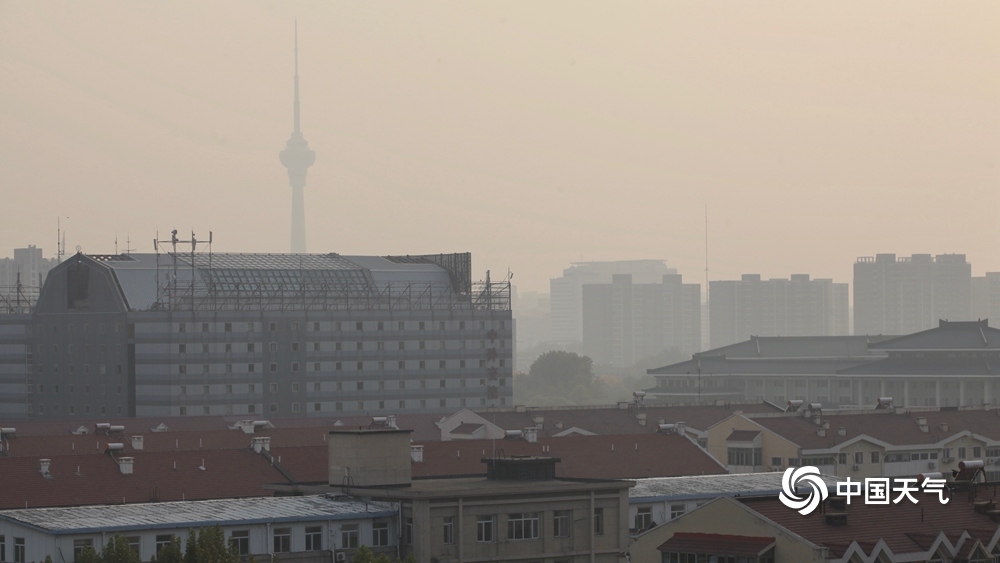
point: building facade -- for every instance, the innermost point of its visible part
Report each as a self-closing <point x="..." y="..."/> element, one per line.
<point x="276" y="335"/>
<point x="797" y="306"/>
<point x="624" y="322"/>
<point x="566" y="292"/>
<point x="901" y="295"/>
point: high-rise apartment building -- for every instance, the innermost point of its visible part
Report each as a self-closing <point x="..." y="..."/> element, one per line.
<point x="902" y="295"/>
<point x="799" y="306"/>
<point x="566" y="292"/>
<point x="986" y="298"/>
<point x="624" y="322"/>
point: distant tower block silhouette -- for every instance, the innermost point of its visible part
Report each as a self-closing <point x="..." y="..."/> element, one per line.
<point x="297" y="158"/>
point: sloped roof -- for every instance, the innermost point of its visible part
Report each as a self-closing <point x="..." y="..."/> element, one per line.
<point x="96" y="479"/>
<point x="630" y="456"/>
<point x="949" y="335"/>
<point x="467" y="428"/>
<point x="799" y="347"/>
<point x="899" y="428"/>
<point x="707" y="486"/>
<point x="720" y="544"/>
<point x="869" y="523"/>
<point x="614" y="420"/>
<point x="90" y="519"/>
<point x="743" y="435"/>
<point x="721" y="365"/>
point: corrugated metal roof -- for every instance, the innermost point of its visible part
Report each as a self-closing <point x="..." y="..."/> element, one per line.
<point x="87" y="519"/>
<point x="709" y="486"/>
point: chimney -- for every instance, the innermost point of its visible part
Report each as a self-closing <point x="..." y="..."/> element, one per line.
<point x="642" y="418"/>
<point x="680" y="428"/>
<point x="539" y="422"/>
<point x="817" y="420"/>
<point x="136" y="442"/>
<point x="826" y="424"/>
<point x="943" y="426"/>
<point x="520" y="408"/>
<point x="559" y="424"/>
<point x="623" y="405"/>
<point x="922" y="423"/>
<point x="842" y="431"/>
<point x="531" y="435"/>
<point x="416" y="454"/>
<point x="261" y="443"/>
<point x="391" y="421"/>
<point x="821" y="432"/>
<point x="125" y="464"/>
<point x="43" y="466"/>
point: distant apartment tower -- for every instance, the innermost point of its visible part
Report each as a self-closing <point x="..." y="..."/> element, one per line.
<point x="624" y="322"/>
<point x="798" y="306"/>
<point x="986" y="298"/>
<point x="566" y="292"/>
<point x="909" y="294"/>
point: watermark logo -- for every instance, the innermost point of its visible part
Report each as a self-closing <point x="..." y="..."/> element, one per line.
<point x="796" y="477"/>
<point x="875" y="490"/>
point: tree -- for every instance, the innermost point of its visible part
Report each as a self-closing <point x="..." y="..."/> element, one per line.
<point x="118" y="550"/>
<point x="171" y="553"/>
<point x="88" y="555"/>
<point x="366" y="555"/>
<point x="559" y="378"/>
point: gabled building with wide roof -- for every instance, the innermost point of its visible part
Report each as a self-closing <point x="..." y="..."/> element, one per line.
<point x="954" y="364"/>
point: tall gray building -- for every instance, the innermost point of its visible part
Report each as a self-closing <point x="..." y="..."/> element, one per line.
<point x="624" y="322"/>
<point x="986" y="298"/>
<point x="799" y="306"/>
<point x="909" y="294"/>
<point x="257" y="335"/>
<point x="566" y="292"/>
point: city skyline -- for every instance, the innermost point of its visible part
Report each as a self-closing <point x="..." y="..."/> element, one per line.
<point x="816" y="135"/>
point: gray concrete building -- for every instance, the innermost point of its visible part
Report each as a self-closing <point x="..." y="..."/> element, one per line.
<point x="180" y="334"/>
<point x="905" y="294"/>
<point x="624" y="322"/>
<point x="798" y="306"/>
<point x="566" y="291"/>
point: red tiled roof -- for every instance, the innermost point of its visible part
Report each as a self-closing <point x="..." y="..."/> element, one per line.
<point x="467" y="428"/>
<point x="743" y="435"/>
<point x="613" y="420"/>
<point x="898" y="428"/>
<point x="717" y="544"/>
<point x="96" y="479"/>
<point x="905" y="527"/>
<point x="630" y="456"/>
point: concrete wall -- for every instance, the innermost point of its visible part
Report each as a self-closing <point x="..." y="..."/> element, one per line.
<point x="369" y="458"/>
<point x="725" y="516"/>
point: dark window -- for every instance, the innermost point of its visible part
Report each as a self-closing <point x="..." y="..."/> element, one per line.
<point x="282" y="540"/>
<point x="449" y="530"/>
<point x="349" y="536"/>
<point x="314" y="534"/>
<point x="78" y="286"/>
<point x="598" y="521"/>
<point x="162" y="541"/>
<point x="484" y="529"/>
<point x="561" y="523"/>
<point x="240" y="542"/>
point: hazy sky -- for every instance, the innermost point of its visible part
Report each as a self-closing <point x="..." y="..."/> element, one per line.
<point x="532" y="134"/>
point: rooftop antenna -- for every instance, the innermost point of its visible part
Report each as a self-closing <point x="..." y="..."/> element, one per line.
<point x="706" y="253"/>
<point x="60" y="240"/>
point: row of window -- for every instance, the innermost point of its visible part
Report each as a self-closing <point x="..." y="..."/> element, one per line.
<point x="318" y="386"/>
<point x="320" y="407"/>
<point x="317" y="346"/>
<point x="102" y="369"/>
<point x="32" y="408"/>
<point x="103" y="389"/>
<point x="337" y="366"/>
<point x="18" y="549"/>
<point x="523" y="526"/>
<point x="318" y="326"/>
<point x="644" y="516"/>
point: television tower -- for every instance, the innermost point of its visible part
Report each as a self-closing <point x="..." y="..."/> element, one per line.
<point x="297" y="157"/>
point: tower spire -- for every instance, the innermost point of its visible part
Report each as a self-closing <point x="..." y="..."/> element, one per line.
<point x="297" y="157"/>
<point x="297" y="129"/>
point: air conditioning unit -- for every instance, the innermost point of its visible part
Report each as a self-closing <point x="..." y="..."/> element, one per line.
<point x="948" y="460"/>
<point x="855" y="467"/>
<point x="931" y="465"/>
<point x="341" y="556"/>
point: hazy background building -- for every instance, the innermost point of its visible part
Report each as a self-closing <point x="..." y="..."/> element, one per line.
<point x="532" y="318"/>
<point x="901" y="295"/>
<point x="567" y="291"/>
<point x="624" y="322"/>
<point x="799" y="306"/>
<point x="986" y="298"/>
<point x="29" y="267"/>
